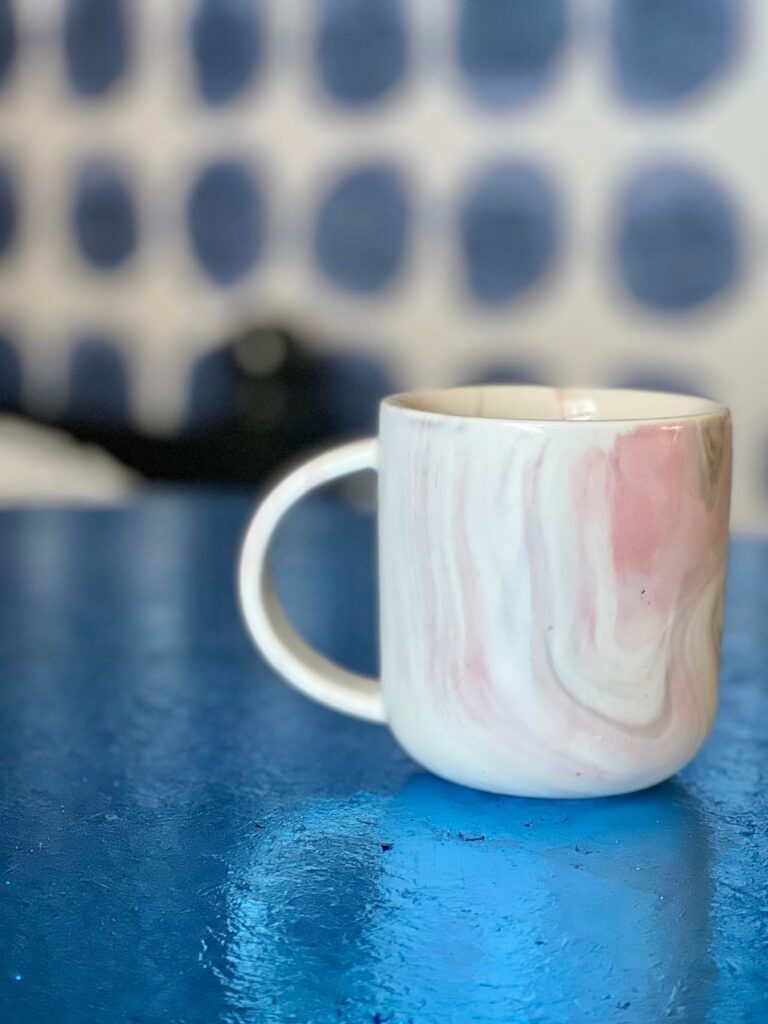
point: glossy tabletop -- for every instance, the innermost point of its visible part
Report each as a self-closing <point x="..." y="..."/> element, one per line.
<point x="184" y="840"/>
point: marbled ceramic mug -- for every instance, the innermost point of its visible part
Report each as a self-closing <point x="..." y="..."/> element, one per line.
<point x="552" y="565"/>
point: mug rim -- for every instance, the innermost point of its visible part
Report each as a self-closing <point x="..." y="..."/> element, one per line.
<point x="416" y="404"/>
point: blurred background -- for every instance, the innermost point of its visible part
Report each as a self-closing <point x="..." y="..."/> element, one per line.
<point x="229" y="227"/>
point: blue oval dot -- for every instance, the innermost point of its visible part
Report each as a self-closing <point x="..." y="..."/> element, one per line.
<point x="352" y="387"/>
<point x="226" y="221"/>
<point x="96" y="44"/>
<point x="361" y="229"/>
<point x="8" y="214"/>
<point x="98" y="388"/>
<point x="659" y="379"/>
<point x="508" y="232"/>
<point x="226" y="47"/>
<point x="664" y="49"/>
<point x="10" y="375"/>
<point x="507" y="51"/>
<point x="504" y="373"/>
<point x="678" y="240"/>
<point x="212" y="389"/>
<point x="361" y="48"/>
<point x="104" y="217"/>
<point x="7" y="39"/>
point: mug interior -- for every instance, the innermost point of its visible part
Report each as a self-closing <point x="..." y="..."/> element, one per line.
<point x="548" y="404"/>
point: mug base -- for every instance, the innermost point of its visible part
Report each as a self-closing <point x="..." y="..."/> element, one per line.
<point x="579" y="786"/>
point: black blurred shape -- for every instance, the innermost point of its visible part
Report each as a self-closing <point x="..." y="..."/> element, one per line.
<point x="255" y="401"/>
<point x="10" y="376"/>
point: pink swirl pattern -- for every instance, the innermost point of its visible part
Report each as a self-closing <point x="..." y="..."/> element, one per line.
<point x="551" y="596"/>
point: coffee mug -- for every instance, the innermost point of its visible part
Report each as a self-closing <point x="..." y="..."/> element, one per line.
<point x="551" y="569"/>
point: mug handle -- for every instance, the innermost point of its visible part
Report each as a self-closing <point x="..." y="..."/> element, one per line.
<point x="303" y="667"/>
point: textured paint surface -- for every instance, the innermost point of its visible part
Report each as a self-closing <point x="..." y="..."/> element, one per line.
<point x="186" y="840"/>
<point x="551" y="597"/>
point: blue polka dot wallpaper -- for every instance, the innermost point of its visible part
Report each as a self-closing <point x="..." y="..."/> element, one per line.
<point x="440" y="191"/>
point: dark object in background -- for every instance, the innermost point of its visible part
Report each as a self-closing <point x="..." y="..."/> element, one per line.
<point x="255" y="402"/>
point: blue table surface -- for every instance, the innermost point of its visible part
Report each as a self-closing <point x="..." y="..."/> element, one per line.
<point x="184" y="839"/>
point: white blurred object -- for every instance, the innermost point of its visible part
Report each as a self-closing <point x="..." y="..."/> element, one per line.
<point x="39" y="464"/>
